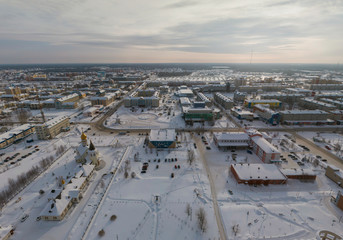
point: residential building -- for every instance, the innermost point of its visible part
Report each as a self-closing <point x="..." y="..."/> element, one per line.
<point x="273" y="103"/>
<point x="15" y="135"/>
<point x="224" y="101"/>
<point x="267" y="114"/>
<point x="52" y="127"/>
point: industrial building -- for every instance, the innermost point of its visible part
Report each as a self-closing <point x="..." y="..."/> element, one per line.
<point x="15" y="135"/>
<point x="267" y="114"/>
<point x="223" y="101"/>
<point x="257" y="174"/>
<point x="52" y="128"/>
<point x="232" y="140"/>
<point x="162" y="138"/>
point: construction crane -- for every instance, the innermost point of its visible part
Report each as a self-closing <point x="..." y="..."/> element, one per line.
<point x="40" y="108"/>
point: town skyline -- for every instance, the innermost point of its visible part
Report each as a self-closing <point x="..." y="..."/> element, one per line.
<point x="171" y="32"/>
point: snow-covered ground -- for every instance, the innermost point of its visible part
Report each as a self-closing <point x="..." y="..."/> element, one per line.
<point x="133" y="200"/>
<point x="296" y="210"/>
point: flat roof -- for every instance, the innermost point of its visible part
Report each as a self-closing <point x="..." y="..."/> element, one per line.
<point x="15" y="131"/>
<point x="264" y="144"/>
<point x="53" y="121"/>
<point x="257" y="171"/>
<point x="162" y="135"/>
<point x="242" y="136"/>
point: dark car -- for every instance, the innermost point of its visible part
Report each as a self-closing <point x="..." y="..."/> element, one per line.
<point x="195" y="146"/>
<point x="172" y="175"/>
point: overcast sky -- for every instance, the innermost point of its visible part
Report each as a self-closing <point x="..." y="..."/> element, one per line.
<point x="136" y="31"/>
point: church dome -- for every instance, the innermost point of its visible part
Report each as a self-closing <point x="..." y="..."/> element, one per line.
<point x="83" y="136"/>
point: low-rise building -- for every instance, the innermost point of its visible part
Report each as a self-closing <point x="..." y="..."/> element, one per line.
<point x="69" y="194"/>
<point x="265" y="150"/>
<point x="52" y="127"/>
<point x="232" y="140"/>
<point x="162" y="138"/>
<point x="335" y="174"/>
<point x="242" y="114"/>
<point x="339" y="200"/>
<point x="257" y="174"/>
<point x="192" y="114"/>
<point x="300" y="174"/>
<point x="15" y="135"/>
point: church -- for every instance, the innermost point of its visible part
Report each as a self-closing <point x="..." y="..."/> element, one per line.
<point x="85" y="154"/>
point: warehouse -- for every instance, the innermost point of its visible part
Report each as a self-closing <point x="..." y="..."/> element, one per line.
<point x="257" y="174"/>
<point x="162" y="138"/>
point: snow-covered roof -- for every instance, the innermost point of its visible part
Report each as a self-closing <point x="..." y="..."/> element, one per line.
<point x="185" y="101"/>
<point x="241" y="136"/>
<point x="53" y="121"/>
<point x="296" y="172"/>
<point x="15" y="131"/>
<point x="251" y="171"/>
<point x="266" y="146"/>
<point x="303" y="112"/>
<point x="162" y="135"/>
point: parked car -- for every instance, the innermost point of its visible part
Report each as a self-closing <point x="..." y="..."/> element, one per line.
<point x="172" y="175"/>
<point x="208" y="148"/>
<point x="327" y="147"/>
<point x="249" y="151"/>
<point x="23" y="218"/>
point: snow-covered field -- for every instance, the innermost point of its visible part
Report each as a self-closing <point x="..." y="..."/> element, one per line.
<point x="140" y="215"/>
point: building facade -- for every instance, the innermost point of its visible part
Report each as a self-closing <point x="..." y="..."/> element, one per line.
<point x="52" y="128"/>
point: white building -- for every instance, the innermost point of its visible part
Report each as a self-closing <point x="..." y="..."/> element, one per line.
<point x="231" y="140"/>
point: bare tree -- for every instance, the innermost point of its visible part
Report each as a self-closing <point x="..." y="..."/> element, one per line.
<point x="190" y="157"/>
<point x="188" y="210"/>
<point x="23" y="115"/>
<point x="235" y="229"/>
<point x="202" y="221"/>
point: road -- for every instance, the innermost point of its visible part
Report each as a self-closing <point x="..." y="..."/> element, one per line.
<point x="220" y="225"/>
<point x="316" y="150"/>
